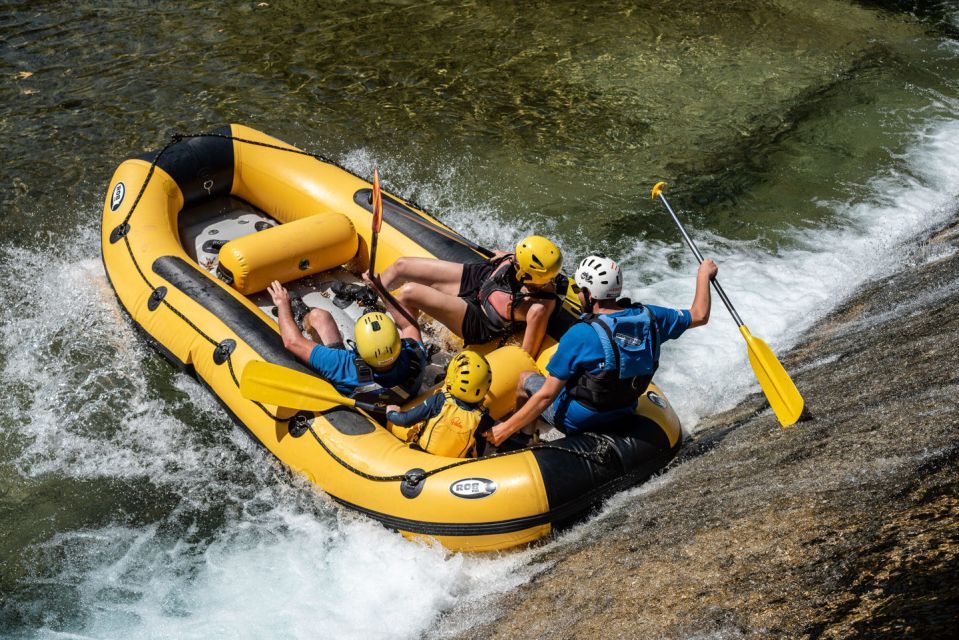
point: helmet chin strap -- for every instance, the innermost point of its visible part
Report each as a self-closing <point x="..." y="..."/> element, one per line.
<point x="588" y="300"/>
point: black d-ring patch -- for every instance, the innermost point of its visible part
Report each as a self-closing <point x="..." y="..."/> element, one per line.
<point x="413" y="483"/>
<point x="154" y="301"/>
<point x="223" y="351"/>
<point x="119" y="232"/>
<point x="300" y="423"/>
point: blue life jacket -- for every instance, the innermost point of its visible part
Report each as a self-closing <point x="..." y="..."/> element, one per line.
<point x="631" y="357"/>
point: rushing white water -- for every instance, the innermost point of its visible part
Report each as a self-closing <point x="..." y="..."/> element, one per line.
<point x="246" y="551"/>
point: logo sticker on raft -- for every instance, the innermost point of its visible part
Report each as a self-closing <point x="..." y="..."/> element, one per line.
<point x="472" y="488"/>
<point x="117" y="198"/>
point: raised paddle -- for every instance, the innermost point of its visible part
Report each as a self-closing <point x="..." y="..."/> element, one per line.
<point x="779" y="388"/>
<point x="377" y="202"/>
<point x="376" y="199"/>
<point x="283" y="387"/>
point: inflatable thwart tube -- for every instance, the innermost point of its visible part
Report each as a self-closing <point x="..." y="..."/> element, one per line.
<point x="289" y="215"/>
<point x="288" y="252"/>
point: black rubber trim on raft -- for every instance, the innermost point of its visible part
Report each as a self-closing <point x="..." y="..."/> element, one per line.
<point x="561" y="321"/>
<point x="251" y="329"/>
<point x="201" y="167"/>
<point x="560" y="517"/>
<point x="635" y="445"/>
<point x="185" y="368"/>
<point x="441" y="242"/>
<point x="348" y="422"/>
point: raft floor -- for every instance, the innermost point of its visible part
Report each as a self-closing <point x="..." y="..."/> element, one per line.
<point x="207" y="226"/>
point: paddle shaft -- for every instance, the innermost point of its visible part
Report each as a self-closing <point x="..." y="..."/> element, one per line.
<point x="699" y="256"/>
<point x="376" y="236"/>
<point x="389" y="297"/>
<point x="376" y="201"/>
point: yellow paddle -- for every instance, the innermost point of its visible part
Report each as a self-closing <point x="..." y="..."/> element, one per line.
<point x="283" y="387"/>
<point x="779" y="388"/>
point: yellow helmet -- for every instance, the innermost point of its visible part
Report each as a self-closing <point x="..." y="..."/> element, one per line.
<point x="468" y="376"/>
<point x="377" y="340"/>
<point x="539" y="260"/>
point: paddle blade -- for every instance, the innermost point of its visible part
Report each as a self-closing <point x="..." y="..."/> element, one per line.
<point x="377" y="202"/>
<point x="657" y="190"/>
<point x="782" y="394"/>
<point x="276" y="385"/>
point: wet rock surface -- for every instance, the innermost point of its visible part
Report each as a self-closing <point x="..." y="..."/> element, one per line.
<point x="845" y="525"/>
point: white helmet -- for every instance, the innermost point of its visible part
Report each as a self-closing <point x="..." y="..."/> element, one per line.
<point x="601" y="276"/>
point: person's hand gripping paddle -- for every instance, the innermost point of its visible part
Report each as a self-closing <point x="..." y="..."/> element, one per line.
<point x="779" y="388"/>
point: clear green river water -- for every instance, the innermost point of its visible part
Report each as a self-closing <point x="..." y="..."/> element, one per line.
<point x="801" y="142"/>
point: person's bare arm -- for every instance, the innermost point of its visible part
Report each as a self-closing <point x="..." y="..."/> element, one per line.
<point x="702" y="300"/>
<point x="406" y="328"/>
<point x="293" y="339"/>
<point x="537" y="318"/>
<point x="536" y="404"/>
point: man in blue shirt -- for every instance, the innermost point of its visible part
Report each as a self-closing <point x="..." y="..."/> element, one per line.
<point x="386" y="365"/>
<point x="602" y="365"/>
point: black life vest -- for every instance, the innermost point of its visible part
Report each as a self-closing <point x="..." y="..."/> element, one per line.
<point x="631" y="348"/>
<point x="504" y="279"/>
<point x="368" y="390"/>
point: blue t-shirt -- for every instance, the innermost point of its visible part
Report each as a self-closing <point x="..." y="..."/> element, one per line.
<point x="580" y="350"/>
<point x="337" y="367"/>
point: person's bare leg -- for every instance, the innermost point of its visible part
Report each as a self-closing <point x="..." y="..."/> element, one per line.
<point x="521" y="395"/>
<point x="319" y="323"/>
<point x="531" y="429"/>
<point x="446" y="309"/>
<point x="441" y="275"/>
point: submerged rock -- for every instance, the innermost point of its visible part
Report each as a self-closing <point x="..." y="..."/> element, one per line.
<point x="843" y="525"/>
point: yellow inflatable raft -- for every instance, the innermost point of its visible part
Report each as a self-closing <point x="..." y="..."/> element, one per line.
<point x="192" y="235"/>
